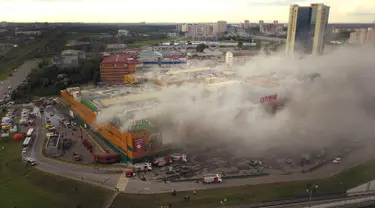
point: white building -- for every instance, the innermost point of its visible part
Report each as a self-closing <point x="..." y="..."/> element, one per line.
<point x="71" y="58"/>
<point x="121" y="33"/>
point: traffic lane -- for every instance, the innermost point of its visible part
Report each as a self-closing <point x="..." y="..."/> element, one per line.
<point x="106" y="181"/>
<point x="17" y="77"/>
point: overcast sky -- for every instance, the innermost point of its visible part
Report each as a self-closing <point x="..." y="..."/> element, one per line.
<point x="175" y="10"/>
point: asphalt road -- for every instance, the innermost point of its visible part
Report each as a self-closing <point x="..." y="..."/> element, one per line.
<point x="97" y="176"/>
<point x="18" y="76"/>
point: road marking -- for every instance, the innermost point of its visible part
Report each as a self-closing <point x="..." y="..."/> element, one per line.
<point x="122" y="182"/>
<point x="93" y="140"/>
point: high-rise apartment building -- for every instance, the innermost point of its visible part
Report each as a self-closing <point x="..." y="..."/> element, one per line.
<point x="362" y="36"/>
<point x="200" y="30"/>
<point x="306" y="29"/>
<point x="220" y="27"/>
<point x="261" y="25"/>
<point x="246" y="24"/>
<point x="182" y="27"/>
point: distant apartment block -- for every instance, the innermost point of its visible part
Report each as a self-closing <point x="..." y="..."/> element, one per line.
<point x="220" y="27"/>
<point x="200" y="30"/>
<point x="182" y="27"/>
<point x="246" y="24"/>
<point x="362" y="36"/>
<point x="306" y="29"/>
<point x="270" y="28"/>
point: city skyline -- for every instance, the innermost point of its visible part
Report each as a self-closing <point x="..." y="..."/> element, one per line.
<point x="94" y="11"/>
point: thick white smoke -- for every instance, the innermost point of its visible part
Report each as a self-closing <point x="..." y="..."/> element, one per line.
<point x="338" y="105"/>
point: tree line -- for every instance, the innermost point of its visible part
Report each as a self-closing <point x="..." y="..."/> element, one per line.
<point x="48" y="79"/>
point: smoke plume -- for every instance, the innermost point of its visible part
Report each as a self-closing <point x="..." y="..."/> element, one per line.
<point x="337" y="105"/>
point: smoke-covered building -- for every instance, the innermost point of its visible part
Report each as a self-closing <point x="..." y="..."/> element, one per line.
<point x="123" y="110"/>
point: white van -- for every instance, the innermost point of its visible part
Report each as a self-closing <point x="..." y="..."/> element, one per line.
<point x="30" y="132"/>
<point x="30" y="161"/>
<point x="143" y="167"/>
<point x="212" y="178"/>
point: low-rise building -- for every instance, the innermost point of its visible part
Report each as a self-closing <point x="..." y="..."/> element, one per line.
<point x="122" y="33"/>
<point x="239" y="57"/>
<point x="53" y="145"/>
<point x="113" y="68"/>
<point x="151" y="58"/>
<point x="71" y="58"/>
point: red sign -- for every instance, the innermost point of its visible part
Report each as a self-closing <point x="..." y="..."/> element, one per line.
<point x="138" y="145"/>
<point x="269" y="98"/>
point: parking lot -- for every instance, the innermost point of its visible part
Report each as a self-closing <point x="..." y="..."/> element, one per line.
<point x="73" y="132"/>
<point x="75" y="151"/>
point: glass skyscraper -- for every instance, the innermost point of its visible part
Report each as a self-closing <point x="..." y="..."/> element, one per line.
<point x="306" y="29"/>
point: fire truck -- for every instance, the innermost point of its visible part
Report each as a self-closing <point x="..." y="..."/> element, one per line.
<point x="143" y="167"/>
<point x="162" y="161"/>
<point x="179" y="157"/>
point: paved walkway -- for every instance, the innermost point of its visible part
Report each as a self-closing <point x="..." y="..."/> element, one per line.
<point x="122" y="182"/>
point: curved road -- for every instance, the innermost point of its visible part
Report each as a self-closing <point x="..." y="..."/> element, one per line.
<point x="99" y="176"/>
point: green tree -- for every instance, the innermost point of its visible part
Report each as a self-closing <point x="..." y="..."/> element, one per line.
<point x="200" y="47"/>
<point x="240" y="44"/>
<point x="258" y="44"/>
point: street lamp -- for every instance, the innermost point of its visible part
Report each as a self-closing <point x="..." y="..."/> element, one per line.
<point x="311" y="189"/>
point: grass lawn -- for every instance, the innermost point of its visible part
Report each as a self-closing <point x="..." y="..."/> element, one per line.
<point x="26" y="187"/>
<point x="20" y="55"/>
<point x="253" y="193"/>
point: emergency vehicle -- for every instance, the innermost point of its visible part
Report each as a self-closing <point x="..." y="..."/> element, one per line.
<point x="212" y="178"/>
<point x="143" y="167"/>
<point x="162" y="161"/>
<point x="130" y="173"/>
<point x="179" y="157"/>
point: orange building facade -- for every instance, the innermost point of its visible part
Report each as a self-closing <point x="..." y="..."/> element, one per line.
<point x="138" y="144"/>
<point x="114" y="68"/>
